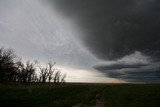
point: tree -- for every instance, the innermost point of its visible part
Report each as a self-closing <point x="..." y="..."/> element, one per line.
<point x="63" y="78"/>
<point x="13" y="70"/>
<point x="51" y="71"/>
<point x="27" y="72"/>
<point x="7" y="66"/>
<point x="43" y="74"/>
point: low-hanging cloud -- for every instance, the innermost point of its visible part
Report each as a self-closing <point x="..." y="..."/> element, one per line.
<point x="133" y="68"/>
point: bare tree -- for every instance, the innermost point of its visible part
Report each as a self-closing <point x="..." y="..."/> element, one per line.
<point x="63" y="78"/>
<point x="57" y="75"/>
<point x="13" y="70"/>
<point x="7" y="65"/>
<point x="51" y="71"/>
<point x="20" y="68"/>
<point x="26" y="71"/>
<point x="43" y="73"/>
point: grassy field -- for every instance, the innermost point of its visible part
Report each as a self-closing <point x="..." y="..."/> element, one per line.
<point x="80" y="95"/>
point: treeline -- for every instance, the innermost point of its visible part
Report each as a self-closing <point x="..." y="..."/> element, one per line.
<point x="13" y="70"/>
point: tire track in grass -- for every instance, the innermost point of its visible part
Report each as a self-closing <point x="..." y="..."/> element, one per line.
<point x="96" y="101"/>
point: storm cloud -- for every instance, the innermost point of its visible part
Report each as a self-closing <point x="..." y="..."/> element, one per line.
<point x="133" y="68"/>
<point x="123" y="33"/>
<point x="112" y="29"/>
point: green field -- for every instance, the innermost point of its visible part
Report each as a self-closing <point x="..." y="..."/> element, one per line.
<point x="80" y="95"/>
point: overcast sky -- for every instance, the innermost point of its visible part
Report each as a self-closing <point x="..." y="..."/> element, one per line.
<point x="92" y="41"/>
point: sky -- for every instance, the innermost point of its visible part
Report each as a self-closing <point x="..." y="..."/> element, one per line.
<point x="91" y="41"/>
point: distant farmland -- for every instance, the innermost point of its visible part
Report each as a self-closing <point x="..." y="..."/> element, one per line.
<point x="80" y="95"/>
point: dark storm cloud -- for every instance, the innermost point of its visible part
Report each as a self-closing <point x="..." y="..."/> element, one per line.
<point x="140" y="73"/>
<point x="132" y="68"/>
<point x="114" y="28"/>
<point x="118" y="66"/>
<point x="126" y="32"/>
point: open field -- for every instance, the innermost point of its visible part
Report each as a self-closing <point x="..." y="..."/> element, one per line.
<point x="80" y="95"/>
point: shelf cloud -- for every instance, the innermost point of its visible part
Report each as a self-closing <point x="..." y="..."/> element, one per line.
<point x="122" y="33"/>
<point x="133" y="68"/>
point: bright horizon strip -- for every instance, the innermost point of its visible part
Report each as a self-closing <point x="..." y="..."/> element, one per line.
<point x="87" y="76"/>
